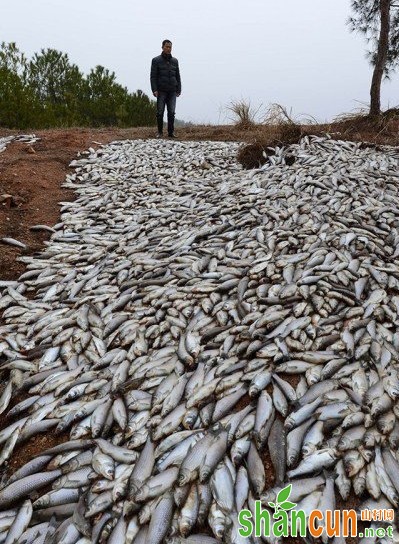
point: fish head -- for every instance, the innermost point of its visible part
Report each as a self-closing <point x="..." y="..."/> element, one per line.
<point x="205" y="473"/>
<point x="183" y="478"/>
<point x="141" y="494"/>
<point x="308" y="449"/>
<point x="292" y="458"/>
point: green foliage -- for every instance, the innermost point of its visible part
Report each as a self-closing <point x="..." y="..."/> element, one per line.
<point x="18" y="103"/>
<point x="366" y="20"/>
<point x="50" y="91"/>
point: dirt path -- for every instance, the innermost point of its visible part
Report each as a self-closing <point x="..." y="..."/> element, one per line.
<point x="32" y="175"/>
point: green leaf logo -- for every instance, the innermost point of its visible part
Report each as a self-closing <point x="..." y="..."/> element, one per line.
<point x="282" y="502"/>
<point x="284" y="494"/>
<point x="287" y="505"/>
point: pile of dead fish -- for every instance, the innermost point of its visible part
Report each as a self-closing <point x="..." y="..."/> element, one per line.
<point x="189" y="320"/>
<point x="24" y="138"/>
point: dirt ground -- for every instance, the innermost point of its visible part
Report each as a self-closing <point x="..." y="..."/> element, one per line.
<point x="32" y="175"/>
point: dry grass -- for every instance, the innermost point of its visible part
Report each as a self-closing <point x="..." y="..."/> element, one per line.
<point x="244" y="114"/>
<point x="380" y="130"/>
<point x="276" y="129"/>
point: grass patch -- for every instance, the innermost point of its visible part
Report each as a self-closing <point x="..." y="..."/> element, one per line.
<point x="244" y="114"/>
<point x="278" y="129"/>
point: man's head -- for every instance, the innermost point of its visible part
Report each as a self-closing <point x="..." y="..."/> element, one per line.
<point x="167" y="47"/>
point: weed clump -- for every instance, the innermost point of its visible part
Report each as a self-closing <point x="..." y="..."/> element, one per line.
<point x="244" y="114"/>
<point x="278" y="129"/>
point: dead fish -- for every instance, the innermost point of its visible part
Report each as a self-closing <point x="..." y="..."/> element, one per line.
<point x="13" y="242"/>
<point x="169" y="295"/>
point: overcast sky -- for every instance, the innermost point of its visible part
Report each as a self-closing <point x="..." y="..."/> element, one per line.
<point x="298" y="53"/>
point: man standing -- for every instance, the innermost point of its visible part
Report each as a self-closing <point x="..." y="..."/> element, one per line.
<point x="166" y="86"/>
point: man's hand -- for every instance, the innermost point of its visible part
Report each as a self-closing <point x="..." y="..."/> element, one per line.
<point x="155" y="93"/>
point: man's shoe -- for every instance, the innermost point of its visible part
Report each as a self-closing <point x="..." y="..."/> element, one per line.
<point x="171" y="136"/>
<point x="159" y="135"/>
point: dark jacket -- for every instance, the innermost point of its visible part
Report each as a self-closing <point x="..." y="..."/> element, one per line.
<point x="165" y="75"/>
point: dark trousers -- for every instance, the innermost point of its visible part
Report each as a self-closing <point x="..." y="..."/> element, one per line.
<point x="168" y="99"/>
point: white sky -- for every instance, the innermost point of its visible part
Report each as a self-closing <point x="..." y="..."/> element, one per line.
<point x="298" y="53"/>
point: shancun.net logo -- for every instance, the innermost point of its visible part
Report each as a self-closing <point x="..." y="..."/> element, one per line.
<point x="282" y="500"/>
<point x="285" y="521"/>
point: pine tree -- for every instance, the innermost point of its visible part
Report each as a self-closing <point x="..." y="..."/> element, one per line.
<point x="378" y="20"/>
<point x="50" y="91"/>
<point x="18" y="103"/>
